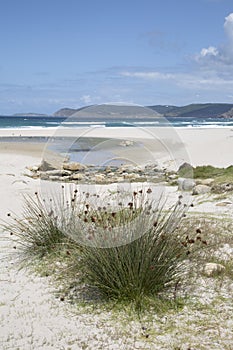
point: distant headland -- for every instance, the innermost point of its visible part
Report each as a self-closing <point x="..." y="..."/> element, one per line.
<point x="207" y="110"/>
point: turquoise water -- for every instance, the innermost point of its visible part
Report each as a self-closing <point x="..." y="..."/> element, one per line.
<point x="53" y="122"/>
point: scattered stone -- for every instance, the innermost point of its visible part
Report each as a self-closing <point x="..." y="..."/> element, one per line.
<point x="33" y="168"/>
<point x="213" y="269"/>
<point x="108" y="169"/>
<point x="74" y="166"/>
<point x="119" y="179"/>
<point x="223" y="204"/>
<point x="201" y="189"/>
<point x="172" y="177"/>
<point x="58" y="178"/>
<point x="78" y="177"/>
<point x="126" y="143"/>
<point x="99" y="177"/>
<point x="221" y="188"/>
<point x="109" y="175"/>
<point x="59" y="173"/>
<point x="132" y="176"/>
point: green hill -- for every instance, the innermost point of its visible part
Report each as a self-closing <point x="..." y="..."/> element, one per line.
<point x="196" y="110"/>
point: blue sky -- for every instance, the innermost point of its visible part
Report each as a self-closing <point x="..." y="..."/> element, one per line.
<point x="71" y="53"/>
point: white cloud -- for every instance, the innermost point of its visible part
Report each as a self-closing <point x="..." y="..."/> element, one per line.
<point x="86" y="98"/>
<point x="228" y="25"/>
<point x="149" y="75"/>
<point x="198" y="79"/>
<point x="211" y="50"/>
<point x="223" y="54"/>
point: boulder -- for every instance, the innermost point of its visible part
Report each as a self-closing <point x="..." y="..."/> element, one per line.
<point x="74" y="166"/>
<point x="46" y="166"/>
<point x="213" y="269"/>
<point x="185" y="184"/>
<point x="201" y="189"/>
<point x="186" y="170"/>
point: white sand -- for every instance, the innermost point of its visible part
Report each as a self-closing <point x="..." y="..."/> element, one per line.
<point x="30" y="316"/>
<point x="199" y="146"/>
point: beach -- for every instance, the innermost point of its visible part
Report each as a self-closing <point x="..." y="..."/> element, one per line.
<point x="198" y="146"/>
<point x="31" y="317"/>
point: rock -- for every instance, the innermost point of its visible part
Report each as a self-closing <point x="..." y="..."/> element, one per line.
<point x="221" y="188"/>
<point x="34" y="175"/>
<point x="153" y="166"/>
<point x="223" y="204"/>
<point x="33" y="168"/>
<point x="201" y="189"/>
<point x="119" y="179"/>
<point x="126" y="143"/>
<point x="131" y="176"/>
<point x="186" y="170"/>
<point x="109" y="175"/>
<point x="207" y="182"/>
<point x="172" y="177"/>
<point x="45" y="166"/>
<point x="44" y="176"/>
<point x="59" y="173"/>
<point x="213" y="269"/>
<point x="99" y="177"/>
<point x="74" y="166"/>
<point x="56" y="178"/>
<point x="77" y="176"/>
<point x="108" y="170"/>
<point x="185" y="184"/>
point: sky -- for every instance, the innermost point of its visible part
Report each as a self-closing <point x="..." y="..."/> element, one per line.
<point x="72" y="53"/>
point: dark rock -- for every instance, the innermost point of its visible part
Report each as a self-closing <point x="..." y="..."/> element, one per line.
<point x="45" y="166"/>
<point x="185" y="170"/>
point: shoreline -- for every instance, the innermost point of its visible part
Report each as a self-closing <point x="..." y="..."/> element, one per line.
<point x="171" y="146"/>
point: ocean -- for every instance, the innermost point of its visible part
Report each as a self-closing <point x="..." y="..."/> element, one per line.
<point x="26" y="122"/>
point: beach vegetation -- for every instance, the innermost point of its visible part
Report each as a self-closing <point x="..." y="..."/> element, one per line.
<point x="128" y="248"/>
<point x="220" y="175"/>
<point x="35" y="232"/>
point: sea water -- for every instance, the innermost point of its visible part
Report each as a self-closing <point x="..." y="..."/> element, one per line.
<point x="54" y="122"/>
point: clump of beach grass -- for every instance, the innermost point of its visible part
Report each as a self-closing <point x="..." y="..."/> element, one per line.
<point x="35" y="231"/>
<point x="128" y="249"/>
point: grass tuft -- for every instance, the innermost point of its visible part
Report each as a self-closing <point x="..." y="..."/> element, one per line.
<point x="126" y="247"/>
